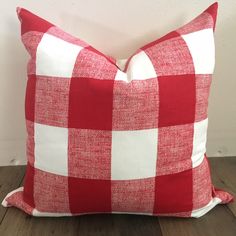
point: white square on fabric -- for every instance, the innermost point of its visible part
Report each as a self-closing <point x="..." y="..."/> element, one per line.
<point x="140" y="67"/>
<point x="202" y="48"/>
<point x="51" y="145"/>
<point x="199" y="142"/>
<point x="134" y="154"/>
<point x="122" y="76"/>
<point x="56" y="57"/>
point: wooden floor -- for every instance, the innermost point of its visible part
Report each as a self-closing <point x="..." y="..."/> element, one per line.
<point x="220" y="221"/>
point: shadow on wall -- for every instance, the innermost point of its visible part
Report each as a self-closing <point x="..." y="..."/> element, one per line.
<point x="116" y="43"/>
<point x="12" y="123"/>
<point x="222" y="103"/>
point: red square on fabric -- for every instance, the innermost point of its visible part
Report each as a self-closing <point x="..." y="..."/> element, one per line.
<point x="89" y="153"/>
<point x="135" y="105"/>
<point x="31" y="41"/>
<point x="202" y="185"/>
<point x="203" y="83"/>
<point x="212" y="10"/>
<point x="177" y="100"/>
<point x="175" y="145"/>
<point x="28" y="193"/>
<point x="168" y="36"/>
<point x="171" y="56"/>
<point x="90" y="103"/>
<point x="133" y="195"/>
<point x="53" y="196"/>
<point x="30" y="98"/>
<point x="174" y="193"/>
<point x="52" y="101"/>
<point x="89" y="195"/>
<point x="93" y="64"/>
<point x="31" y="22"/>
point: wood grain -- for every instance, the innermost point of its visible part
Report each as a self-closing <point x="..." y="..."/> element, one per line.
<point x="18" y="223"/>
<point x="219" y="221"/>
<point x="223" y="171"/>
<point x="10" y="179"/>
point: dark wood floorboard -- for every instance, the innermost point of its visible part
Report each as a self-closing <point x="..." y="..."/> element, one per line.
<point x="10" y="179"/>
<point x="119" y="225"/>
<point x="219" y="221"/>
<point x="18" y="223"/>
<point x="224" y="176"/>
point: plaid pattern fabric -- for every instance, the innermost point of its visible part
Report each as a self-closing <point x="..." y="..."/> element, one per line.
<point x="103" y="138"/>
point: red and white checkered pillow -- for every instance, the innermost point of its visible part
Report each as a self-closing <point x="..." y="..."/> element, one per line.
<point x="106" y="139"/>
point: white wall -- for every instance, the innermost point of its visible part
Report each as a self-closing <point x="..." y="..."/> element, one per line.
<point x="117" y="28"/>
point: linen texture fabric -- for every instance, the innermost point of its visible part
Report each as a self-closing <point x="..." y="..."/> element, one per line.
<point x="109" y="136"/>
